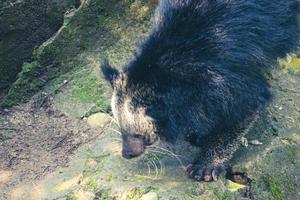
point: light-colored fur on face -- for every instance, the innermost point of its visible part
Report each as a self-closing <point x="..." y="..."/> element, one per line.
<point x="130" y="116"/>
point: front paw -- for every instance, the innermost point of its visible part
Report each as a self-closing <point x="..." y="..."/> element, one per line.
<point x="203" y="173"/>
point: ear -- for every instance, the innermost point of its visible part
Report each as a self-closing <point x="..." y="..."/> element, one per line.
<point x="110" y="73"/>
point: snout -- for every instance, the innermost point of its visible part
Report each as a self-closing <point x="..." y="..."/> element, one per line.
<point x="132" y="147"/>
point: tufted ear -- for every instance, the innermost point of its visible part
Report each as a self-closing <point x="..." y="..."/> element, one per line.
<point x="110" y="73"/>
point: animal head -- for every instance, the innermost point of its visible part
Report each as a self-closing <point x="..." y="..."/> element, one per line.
<point x="132" y="105"/>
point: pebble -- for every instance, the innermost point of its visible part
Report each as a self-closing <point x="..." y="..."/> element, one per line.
<point x="149" y="196"/>
<point x="98" y="120"/>
<point x="255" y="142"/>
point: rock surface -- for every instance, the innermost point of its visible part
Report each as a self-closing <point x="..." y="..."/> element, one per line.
<point x="98" y="120"/>
<point x="149" y="196"/>
<point x="24" y="26"/>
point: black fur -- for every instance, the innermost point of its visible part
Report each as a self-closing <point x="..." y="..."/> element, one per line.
<point x="204" y="64"/>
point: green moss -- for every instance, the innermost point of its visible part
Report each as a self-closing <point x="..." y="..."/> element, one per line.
<point x="47" y="55"/>
<point x="71" y="197"/>
<point x="220" y="194"/>
<point x="191" y="191"/>
<point x="275" y="187"/>
<point x="110" y="178"/>
<point x="26" y="25"/>
<point x="100" y="28"/>
<point x="103" y="194"/>
<point x="86" y="89"/>
<point x="90" y="185"/>
<point x="282" y="167"/>
<point x="24" y="86"/>
<point x="137" y="193"/>
<point x="101" y="160"/>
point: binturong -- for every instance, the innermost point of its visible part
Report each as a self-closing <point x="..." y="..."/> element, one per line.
<point x="201" y="74"/>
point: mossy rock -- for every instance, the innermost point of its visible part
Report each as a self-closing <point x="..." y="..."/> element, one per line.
<point x="25" y="25"/>
<point x="95" y="30"/>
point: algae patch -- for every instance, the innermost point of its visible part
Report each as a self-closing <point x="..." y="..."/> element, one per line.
<point x="290" y="63"/>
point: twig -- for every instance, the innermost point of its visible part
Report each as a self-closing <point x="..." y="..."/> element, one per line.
<point x="59" y="144"/>
<point x="53" y="93"/>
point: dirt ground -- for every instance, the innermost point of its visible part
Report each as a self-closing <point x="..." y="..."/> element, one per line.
<point x="35" y="140"/>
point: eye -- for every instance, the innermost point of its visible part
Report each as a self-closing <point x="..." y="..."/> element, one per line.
<point x="138" y="136"/>
<point x="150" y="139"/>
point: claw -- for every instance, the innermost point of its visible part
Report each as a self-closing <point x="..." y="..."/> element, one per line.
<point x="189" y="168"/>
<point x="206" y="174"/>
<point x="214" y="174"/>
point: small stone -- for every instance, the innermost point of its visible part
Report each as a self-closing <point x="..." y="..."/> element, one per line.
<point x="255" y="142"/>
<point x="98" y="120"/>
<point x="149" y="196"/>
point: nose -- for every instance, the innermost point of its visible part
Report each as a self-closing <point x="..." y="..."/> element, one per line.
<point x="130" y="154"/>
<point x="132" y="147"/>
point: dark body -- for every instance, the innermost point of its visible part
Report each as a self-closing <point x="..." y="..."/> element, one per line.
<point x="201" y="72"/>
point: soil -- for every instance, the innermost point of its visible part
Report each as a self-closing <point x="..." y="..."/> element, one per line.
<point x="35" y="141"/>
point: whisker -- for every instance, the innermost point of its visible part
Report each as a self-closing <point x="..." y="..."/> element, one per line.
<point x="114" y="120"/>
<point x="149" y="168"/>
<point x="154" y="152"/>
<point x="115" y="150"/>
<point x="116" y="131"/>
<point x="154" y="166"/>
<point x="156" y="169"/>
<point x="161" y="152"/>
<point x="114" y="142"/>
<point x="160" y="163"/>
<point x="173" y="154"/>
<point x="151" y="163"/>
<point x="147" y="163"/>
<point x="166" y="150"/>
<point x="116" y="139"/>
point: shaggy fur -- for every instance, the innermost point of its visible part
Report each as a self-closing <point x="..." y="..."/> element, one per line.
<point x="201" y="72"/>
